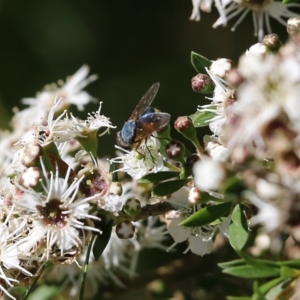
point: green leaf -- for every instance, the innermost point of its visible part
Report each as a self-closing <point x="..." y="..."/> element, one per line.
<point x="287" y="272"/>
<point x="89" y="142"/>
<point x="45" y="292"/>
<point x="205" y="197"/>
<point x="252" y="272"/>
<point x="289" y="1"/>
<point x="233" y="263"/>
<point x="257" y="295"/>
<point x="291" y="263"/>
<point x="238" y="229"/>
<point x="233" y="187"/>
<point x="169" y="187"/>
<point x="238" y="298"/>
<point x="199" y="62"/>
<point x="259" y="263"/>
<point x="105" y="225"/>
<point x="266" y="287"/>
<point x="280" y="289"/>
<point x="159" y="176"/>
<point x="201" y="118"/>
<point x="207" y="215"/>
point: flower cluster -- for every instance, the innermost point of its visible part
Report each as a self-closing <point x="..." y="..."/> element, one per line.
<point x="261" y="12"/>
<point x="255" y="124"/>
<point x="56" y="196"/>
<point x="62" y="206"/>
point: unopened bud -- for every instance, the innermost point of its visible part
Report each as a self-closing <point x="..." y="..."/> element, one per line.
<point x="272" y="42"/>
<point x="30" y="154"/>
<point x="125" y="230"/>
<point x="175" y="150"/>
<point x="185" y="126"/>
<point x="132" y="207"/>
<point x="293" y="26"/>
<point x="202" y="83"/>
<point x="31" y="177"/>
<point x="194" y="196"/>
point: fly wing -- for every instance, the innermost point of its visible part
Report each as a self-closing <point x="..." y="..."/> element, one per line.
<point x="145" y="102"/>
<point x="152" y="122"/>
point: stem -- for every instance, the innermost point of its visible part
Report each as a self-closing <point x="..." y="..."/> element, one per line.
<point x="29" y="290"/>
<point x="171" y="167"/>
<point x="86" y="263"/>
<point x="198" y="147"/>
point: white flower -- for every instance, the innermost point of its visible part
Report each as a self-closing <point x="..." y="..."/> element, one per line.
<point x="220" y="67"/>
<point x="58" y="212"/>
<point x="261" y="13"/>
<point x="204" y="5"/>
<point x="111" y="203"/>
<point x="268" y="190"/>
<point x="141" y="161"/>
<point x="215" y="150"/>
<point x="70" y="92"/>
<point x="59" y="130"/>
<point x="9" y="258"/>
<point x="269" y="215"/>
<point x="94" y="122"/>
<point x="271" y="90"/>
<point x="222" y="93"/>
<point x="200" y="240"/>
<point x="208" y="174"/>
<point x="257" y="49"/>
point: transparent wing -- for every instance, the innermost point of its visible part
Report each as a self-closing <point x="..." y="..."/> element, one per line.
<point x="145" y="102"/>
<point x="152" y="122"/>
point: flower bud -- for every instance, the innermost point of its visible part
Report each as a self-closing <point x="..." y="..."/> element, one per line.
<point x="30" y="154"/>
<point x="272" y="42"/>
<point x="125" y="230"/>
<point x="175" y="150"/>
<point x="194" y="196"/>
<point x="293" y="26"/>
<point x="202" y="83"/>
<point x="31" y="177"/>
<point x="185" y="126"/>
<point x="132" y="207"/>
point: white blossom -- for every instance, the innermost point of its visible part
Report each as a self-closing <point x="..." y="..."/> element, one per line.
<point x="261" y="13"/>
<point x="208" y="174"/>
<point x="70" y="92"/>
<point x="269" y="216"/>
<point x="141" y="161"/>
